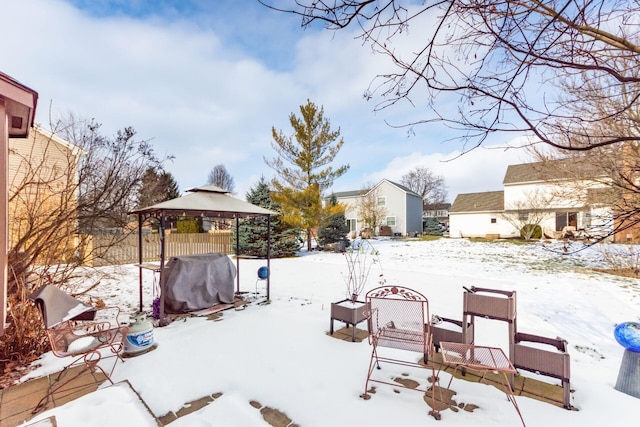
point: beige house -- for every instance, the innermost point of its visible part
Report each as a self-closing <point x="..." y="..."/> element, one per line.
<point x="42" y="186"/>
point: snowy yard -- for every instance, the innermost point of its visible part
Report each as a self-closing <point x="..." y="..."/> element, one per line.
<point x="279" y="354"/>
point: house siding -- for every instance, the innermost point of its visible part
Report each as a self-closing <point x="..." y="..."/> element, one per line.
<point x="400" y="203"/>
<point x="39" y="169"/>
<point x="527" y="191"/>
<point x="478" y="224"/>
<point x="414" y="214"/>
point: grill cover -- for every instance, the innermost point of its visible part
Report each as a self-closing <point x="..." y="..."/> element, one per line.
<point x="196" y="282"/>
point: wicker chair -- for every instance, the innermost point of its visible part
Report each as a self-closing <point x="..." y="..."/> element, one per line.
<point x="77" y="330"/>
<point x="398" y="318"/>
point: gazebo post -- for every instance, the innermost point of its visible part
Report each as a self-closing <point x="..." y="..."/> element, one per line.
<point x="268" y="256"/>
<point x="162" y="255"/>
<point x="237" y="254"/>
<point x="140" y="257"/>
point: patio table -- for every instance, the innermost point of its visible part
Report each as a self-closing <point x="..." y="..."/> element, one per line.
<point x="482" y="359"/>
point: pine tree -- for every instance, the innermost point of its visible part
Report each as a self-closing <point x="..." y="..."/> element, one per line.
<point x="253" y="231"/>
<point x="432" y="227"/>
<point x="157" y="186"/>
<point x="310" y="152"/>
<point x="335" y="229"/>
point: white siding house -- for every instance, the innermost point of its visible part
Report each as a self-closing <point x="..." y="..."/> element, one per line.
<point x="403" y="207"/>
<point x="558" y="198"/>
<point x="478" y="215"/>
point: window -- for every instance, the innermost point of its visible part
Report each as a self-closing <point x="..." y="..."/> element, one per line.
<point x="523" y="216"/>
<point x="493" y="220"/>
<point x="564" y="219"/>
<point x="352" y="224"/>
<point x="391" y="221"/>
<point x="382" y="201"/>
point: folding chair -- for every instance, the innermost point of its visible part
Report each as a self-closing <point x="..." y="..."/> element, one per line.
<point x="398" y="318"/>
<point x="73" y="330"/>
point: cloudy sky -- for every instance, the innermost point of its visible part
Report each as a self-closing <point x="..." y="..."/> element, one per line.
<point x="207" y="80"/>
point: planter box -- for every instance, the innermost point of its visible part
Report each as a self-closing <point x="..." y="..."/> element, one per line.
<point x="450" y="330"/>
<point x="349" y="313"/>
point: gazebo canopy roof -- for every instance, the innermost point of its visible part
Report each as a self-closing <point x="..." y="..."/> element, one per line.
<point x="207" y="200"/>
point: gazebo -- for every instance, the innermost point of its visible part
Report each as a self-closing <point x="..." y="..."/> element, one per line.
<point x="208" y="201"/>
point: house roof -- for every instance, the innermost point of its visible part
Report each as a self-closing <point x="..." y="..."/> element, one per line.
<point x="344" y="194"/>
<point x="436" y="206"/>
<point x="489" y="201"/>
<point x="401" y="187"/>
<point x="357" y="193"/>
<point x="20" y="106"/>
<point x="551" y="170"/>
<point x="57" y="139"/>
<point x="207" y="200"/>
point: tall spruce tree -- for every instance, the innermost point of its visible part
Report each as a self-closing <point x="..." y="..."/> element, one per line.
<point x="309" y="153"/>
<point x="253" y="231"/>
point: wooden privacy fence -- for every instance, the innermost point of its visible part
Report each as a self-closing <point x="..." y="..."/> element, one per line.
<point x="111" y="250"/>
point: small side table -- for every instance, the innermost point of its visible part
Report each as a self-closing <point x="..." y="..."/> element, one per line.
<point x="482" y="359"/>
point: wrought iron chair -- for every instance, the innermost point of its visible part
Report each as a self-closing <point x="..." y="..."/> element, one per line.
<point x="80" y="331"/>
<point x="398" y="318"/>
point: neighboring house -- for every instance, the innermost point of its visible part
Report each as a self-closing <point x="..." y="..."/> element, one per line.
<point x="439" y="211"/>
<point x="402" y="208"/>
<point x="478" y="215"/>
<point x="566" y="198"/>
<point x="42" y="186"/>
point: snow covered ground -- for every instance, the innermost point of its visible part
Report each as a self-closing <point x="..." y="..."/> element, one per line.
<point x="279" y="354"/>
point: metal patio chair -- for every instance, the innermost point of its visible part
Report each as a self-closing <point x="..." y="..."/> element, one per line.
<point x="398" y="318"/>
<point x="77" y="330"/>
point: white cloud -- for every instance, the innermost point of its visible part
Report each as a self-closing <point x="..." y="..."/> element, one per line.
<point x="210" y="100"/>
<point x="478" y="170"/>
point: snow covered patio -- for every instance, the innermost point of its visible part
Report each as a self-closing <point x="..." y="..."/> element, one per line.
<point x="279" y="354"/>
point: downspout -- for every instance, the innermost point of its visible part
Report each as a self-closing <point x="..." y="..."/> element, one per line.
<point x="4" y="214"/>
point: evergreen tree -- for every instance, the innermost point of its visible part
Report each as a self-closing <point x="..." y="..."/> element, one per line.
<point x="309" y="152"/>
<point x="335" y="229"/>
<point x="253" y="231"/>
<point x="157" y="186"/>
<point x="432" y="227"/>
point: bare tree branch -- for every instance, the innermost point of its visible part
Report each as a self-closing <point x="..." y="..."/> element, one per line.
<point x="506" y="61"/>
